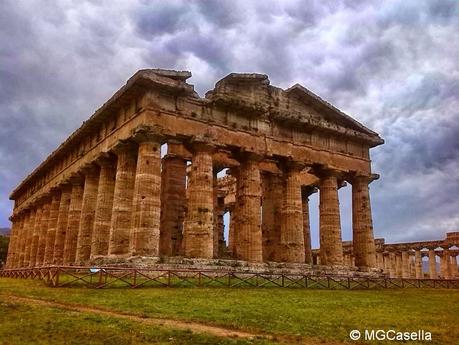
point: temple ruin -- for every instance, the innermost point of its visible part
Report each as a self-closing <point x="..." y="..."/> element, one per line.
<point x="106" y="195"/>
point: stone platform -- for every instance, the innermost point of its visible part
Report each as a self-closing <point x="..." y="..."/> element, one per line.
<point x="239" y="266"/>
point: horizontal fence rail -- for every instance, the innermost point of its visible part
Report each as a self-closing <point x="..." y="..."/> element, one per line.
<point x="116" y="277"/>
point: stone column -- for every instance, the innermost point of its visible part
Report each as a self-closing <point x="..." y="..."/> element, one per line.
<point x="104" y="206"/>
<point x="393" y="272"/>
<point x="173" y="201"/>
<point x="331" y="247"/>
<point x="306" y="191"/>
<point x="28" y="238"/>
<point x="418" y="264"/>
<point x="248" y="202"/>
<point x="432" y="264"/>
<point x="120" y="229"/>
<point x="362" y="223"/>
<point x="18" y="243"/>
<point x="35" y="235"/>
<point x="43" y="231"/>
<point x="13" y="236"/>
<point x="387" y="263"/>
<point x="21" y="246"/>
<point x="73" y="222"/>
<point x="52" y="226"/>
<point x="398" y="265"/>
<point x="61" y="225"/>
<point x="88" y="211"/>
<point x="231" y="231"/>
<point x="445" y="264"/>
<point x="199" y="220"/>
<point x="219" y="228"/>
<point x="271" y="216"/>
<point x="145" y="232"/>
<point x="292" y="235"/>
<point x="405" y="264"/>
<point x="453" y="267"/>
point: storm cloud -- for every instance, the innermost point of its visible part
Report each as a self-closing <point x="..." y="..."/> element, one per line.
<point x="392" y="65"/>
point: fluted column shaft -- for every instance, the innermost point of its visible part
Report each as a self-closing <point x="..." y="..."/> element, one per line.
<point x="453" y="267"/>
<point x="219" y="210"/>
<point x="88" y="211"/>
<point x="43" y="232"/>
<point x="418" y="264"/>
<point x="393" y="270"/>
<point x="73" y="222"/>
<point x="362" y="224"/>
<point x="120" y="229"/>
<point x="28" y="239"/>
<point x="271" y="216"/>
<point x="104" y="206"/>
<point x="173" y="204"/>
<point x="52" y="226"/>
<point x="61" y="225"/>
<point x="19" y="246"/>
<point x="432" y="264"/>
<point x="199" y="220"/>
<point x="147" y="198"/>
<point x="398" y="265"/>
<point x="292" y="235"/>
<point x="248" y="202"/>
<point x="331" y="247"/>
<point x="35" y="236"/>
<point x="446" y="264"/>
<point x="305" y="193"/>
<point x="13" y="236"/>
<point x="231" y="231"/>
<point x="405" y="264"/>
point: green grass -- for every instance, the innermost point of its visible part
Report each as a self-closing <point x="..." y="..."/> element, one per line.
<point x="28" y="324"/>
<point x="326" y="315"/>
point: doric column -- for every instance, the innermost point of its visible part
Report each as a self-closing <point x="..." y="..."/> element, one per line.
<point x="306" y="191"/>
<point x="88" y="210"/>
<point x="43" y="232"/>
<point x="198" y="226"/>
<point x="35" y="235"/>
<point x="393" y="271"/>
<point x="446" y="264"/>
<point x="104" y="206"/>
<point x="219" y="228"/>
<point x="19" y="241"/>
<point x="271" y="215"/>
<point x="453" y="266"/>
<point x="231" y="231"/>
<point x="379" y="260"/>
<point x="418" y="264"/>
<point x="405" y="264"/>
<point x="52" y="226"/>
<point x="61" y="225"/>
<point x="26" y="244"/>
<point x="173" y="201"/>
<point x="292" y="235"/>
<point x="432" y="264"/>
<point x="387" y="263"/>
<point x="362" y="223"/>
<point x="398" y="265"/>
<point x="331" y="247"/>
<point x="120" y="229"/>
<point x="73" y="222"/>
<point x="248" y="207"/>
<point x="13" y="238"/>
<point x="147" y="196"/>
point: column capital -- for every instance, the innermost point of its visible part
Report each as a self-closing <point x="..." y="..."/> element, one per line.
<point x="322" y="171"/>
<point x="123" y="147"/>
<point x="75" y="179"/>
<point x="148" y="133"/>
<point x="307" y="191"/>
<point x="357" y="177"/>
<point x="55" y="191"/>
<point x="105" y="159"/>
<point x="90" y="169"/>
<point x="244" y="156"/>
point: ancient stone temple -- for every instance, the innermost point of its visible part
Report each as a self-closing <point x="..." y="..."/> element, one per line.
<point x="107" y="194"/>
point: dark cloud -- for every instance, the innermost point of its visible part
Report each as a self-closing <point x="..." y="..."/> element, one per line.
<point x="392" y="65"/>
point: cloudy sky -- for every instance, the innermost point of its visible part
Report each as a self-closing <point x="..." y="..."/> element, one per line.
<point x="392" y="65"/>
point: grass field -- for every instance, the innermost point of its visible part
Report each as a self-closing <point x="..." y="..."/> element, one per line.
<point x="285" y="315"/>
